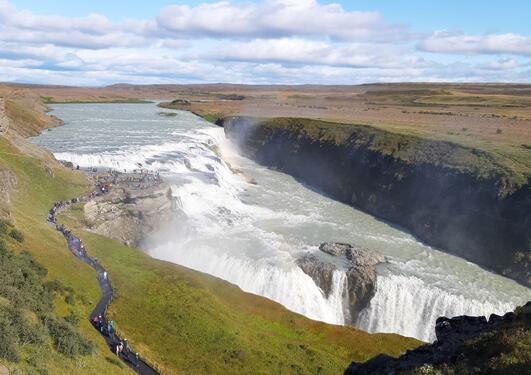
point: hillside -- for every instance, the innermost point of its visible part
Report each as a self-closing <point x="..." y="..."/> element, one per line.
<point x="182" y="320"/>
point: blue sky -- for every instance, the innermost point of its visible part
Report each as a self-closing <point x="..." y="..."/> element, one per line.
<point x="267" y="41"/>
<point x="423" y="15"/>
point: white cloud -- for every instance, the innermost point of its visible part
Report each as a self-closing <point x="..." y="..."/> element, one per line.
<point x="268" y="41"/>
<point x="275" y="18"/>
<point x="308" y="52"/>
<point x="458" y="43"/>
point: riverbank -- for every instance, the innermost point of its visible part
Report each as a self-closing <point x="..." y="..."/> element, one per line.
<point x="462" y="200"/>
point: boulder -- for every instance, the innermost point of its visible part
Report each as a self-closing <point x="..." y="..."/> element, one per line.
<point x="321" y="272"/>
<point x="130" y="216"/>
<point x="359" y="265"/>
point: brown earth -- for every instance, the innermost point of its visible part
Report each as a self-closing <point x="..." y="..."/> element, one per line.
<point x="466" y="110"/>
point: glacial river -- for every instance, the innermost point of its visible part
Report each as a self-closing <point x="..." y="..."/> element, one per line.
<point x="247" y="224"/>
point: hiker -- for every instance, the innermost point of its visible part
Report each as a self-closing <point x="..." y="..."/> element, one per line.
<point x="126" y="347"/>
<point x="104" y="275"/>
<point x="109" y="328"/>
<point x="137" y="360"/>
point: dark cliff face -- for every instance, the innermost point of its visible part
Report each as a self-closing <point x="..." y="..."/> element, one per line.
<point x="465" y="345"/>
<point x="476" y="216"/>
<point x="359" y="265"/>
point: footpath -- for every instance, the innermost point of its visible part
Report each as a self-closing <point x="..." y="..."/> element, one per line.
<point x="118" y="345"/>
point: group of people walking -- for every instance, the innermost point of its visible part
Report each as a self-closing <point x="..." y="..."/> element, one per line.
<point x="106" y="327"/>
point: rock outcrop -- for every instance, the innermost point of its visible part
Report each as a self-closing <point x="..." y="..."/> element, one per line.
<point x="359" y="265"/>
<point x="128" y="215"/>
<point x="8" y="182"/>
<point x="461" y="341"/>
<point x="4" y="120"/>
<point x="459" y="199"/>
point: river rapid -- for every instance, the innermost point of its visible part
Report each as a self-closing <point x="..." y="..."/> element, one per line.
<point x="248" y="224"/>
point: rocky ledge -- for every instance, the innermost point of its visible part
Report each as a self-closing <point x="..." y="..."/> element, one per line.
<point x="464" y="345"/>
<point x="359" y="265"/>
<point x="130" y="214"/>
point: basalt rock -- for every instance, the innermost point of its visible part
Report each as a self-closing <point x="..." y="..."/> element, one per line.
<point x="462" y="342"/>
<point x="130" y="216"/>
<point x="320" y="271"/>
<point x="357" y="263"/>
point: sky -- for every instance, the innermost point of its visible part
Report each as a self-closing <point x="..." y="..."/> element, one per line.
<point x="92" y="43"/>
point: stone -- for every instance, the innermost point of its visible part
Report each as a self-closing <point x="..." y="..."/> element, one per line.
<point x="130" y="216"/>
<point x="359" y="267"/>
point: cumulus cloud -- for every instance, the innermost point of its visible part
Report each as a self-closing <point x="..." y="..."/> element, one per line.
<point x="261" y="41"/>
<point x="93" y="31"/>
<point x="296" y="51"/>
<point x="274" y="19"/>
<point x="459" y="43"/>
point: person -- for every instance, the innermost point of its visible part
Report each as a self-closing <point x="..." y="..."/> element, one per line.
<point x="104" y="275"/>
<point x="109" y="329"/>
<point x="100" y="322"/>
<point x="137" y="360"/>
<point x="95" y="320"/>
<point x="126" y="347"/>
<point x="117" y="349"/>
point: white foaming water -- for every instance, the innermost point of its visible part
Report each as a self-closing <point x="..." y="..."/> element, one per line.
<point x="251" y="234"/>
<point x="404" y="304"/>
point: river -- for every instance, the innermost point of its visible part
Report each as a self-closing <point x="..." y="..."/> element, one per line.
<point x="248" y="224"/>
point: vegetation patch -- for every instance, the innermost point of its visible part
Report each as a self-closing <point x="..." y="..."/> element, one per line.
<point x="168" y="114"/>
<point x="46" y="271"/>
<point x="27" y="314"/>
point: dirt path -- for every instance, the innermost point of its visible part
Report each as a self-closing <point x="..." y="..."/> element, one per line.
<point x="129" y="357"/>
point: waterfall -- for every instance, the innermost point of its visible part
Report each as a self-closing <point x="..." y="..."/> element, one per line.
<point x="285" y="284"/>
<point x="408" y="306"/>
<point x="248" y="225"/>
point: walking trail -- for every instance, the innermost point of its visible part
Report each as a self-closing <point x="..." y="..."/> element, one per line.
<point x="98" y="315"/>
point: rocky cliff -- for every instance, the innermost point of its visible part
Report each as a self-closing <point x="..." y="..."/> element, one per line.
<point x="130" y="215"/>
<point x="359" y="266"/>
<point x="461" y="200"/>
<point x="465" y="345"/>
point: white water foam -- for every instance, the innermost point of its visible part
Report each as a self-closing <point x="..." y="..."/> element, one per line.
<point x="251" y="235"/>
<point x="408" y="306"/>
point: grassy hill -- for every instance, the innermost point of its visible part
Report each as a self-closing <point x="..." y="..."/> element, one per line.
<point x="36" y="191"/>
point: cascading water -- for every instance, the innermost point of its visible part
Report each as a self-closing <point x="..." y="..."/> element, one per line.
<point x="247" y="224"/>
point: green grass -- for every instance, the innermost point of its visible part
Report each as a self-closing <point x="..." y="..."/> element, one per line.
<point x="491" y="162"/>
<point x="188" y="322"/>
<point x="35" y="193"/>
<point x="213" y="117"/>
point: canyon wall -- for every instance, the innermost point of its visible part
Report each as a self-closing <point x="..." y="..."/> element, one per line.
<point x="458" y="199"/>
